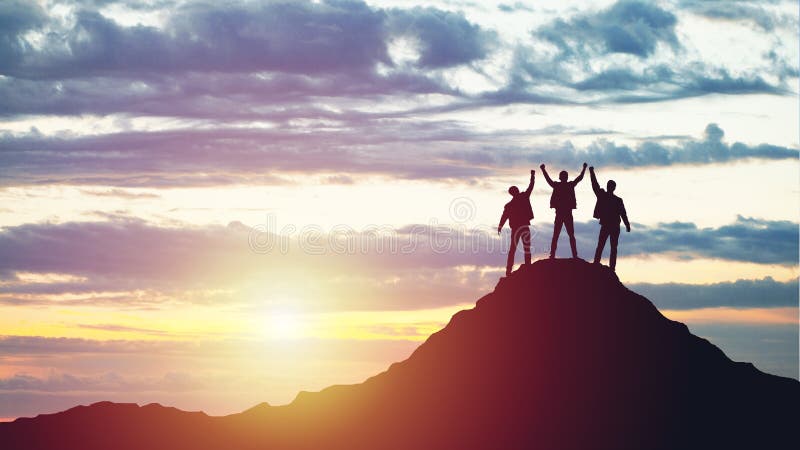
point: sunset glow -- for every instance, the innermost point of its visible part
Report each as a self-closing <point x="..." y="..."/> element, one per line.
<point x="197" y="197"/>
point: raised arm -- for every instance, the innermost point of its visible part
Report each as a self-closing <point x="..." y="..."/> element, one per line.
<point x="530" y="185"/>
<point x="546" y="176"/>
<point x="595" y="184"/>
<point x="579" y="177"/>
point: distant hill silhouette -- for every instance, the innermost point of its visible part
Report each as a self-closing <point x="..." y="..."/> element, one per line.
<point x="560" y="356"/>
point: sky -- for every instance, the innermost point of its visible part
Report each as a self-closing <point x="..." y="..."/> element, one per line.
<point x="214" y="204"/>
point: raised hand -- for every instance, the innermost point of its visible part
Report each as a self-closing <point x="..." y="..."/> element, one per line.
<point x="584" y="166"/>
<point x="541" y="166"/>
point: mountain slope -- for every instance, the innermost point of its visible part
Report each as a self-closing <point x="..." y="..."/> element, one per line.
<point x="560" y="355"/>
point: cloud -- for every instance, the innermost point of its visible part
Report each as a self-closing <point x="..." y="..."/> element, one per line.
<point x="108" y="382"/>
<point x="224" y="98"/>
<point x="131" y="264"/>
<point x="724" y="83"/>
<point x="611" y="56"/>
<point x="120" y="193"/>
<point x="230" y="61"/>
<point x="16" y="17"/>
<point x="626" y="83"/>
<point x="239" y="156"/>
<point x="339" y="179"/>
<point x="182" y="157"/>
<point x="120" y="253"/>
<point x="284" y="62"/>
<point x="294" y="37"/>
<point x="629" y="27"/>
<point x="624" y="79"/>
<point x="763" y="293"/>
<point x="44" y="348"/>
<point x="752" y="12"/>
<point x="281" y="61"/>
<point x="121" y="328"/>
<point x="516" y="6"/>
<point x="671" y="85"/>
<point x="709" y="150"/>
<point x="446" y="39"/>
<point x="304" y="37"/>
<point x="747" y="239"/>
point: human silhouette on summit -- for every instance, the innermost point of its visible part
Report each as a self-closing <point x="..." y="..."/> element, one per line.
<point x="563" y="201"/>
<point x="610" y="210"/>
<point x="519" y="213"/>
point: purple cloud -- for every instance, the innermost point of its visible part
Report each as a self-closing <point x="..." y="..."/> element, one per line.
<point x="203" y="157"/>
<point x="191" y="264"/>
<point x="290" y="37"/>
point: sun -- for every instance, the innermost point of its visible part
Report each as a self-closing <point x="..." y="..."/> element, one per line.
<point x="285" y="326"/>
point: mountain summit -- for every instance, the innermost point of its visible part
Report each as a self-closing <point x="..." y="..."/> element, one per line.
<point x="559" y="356"/>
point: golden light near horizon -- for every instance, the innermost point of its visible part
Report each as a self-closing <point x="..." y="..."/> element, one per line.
<point x="135" y="191"/>
<point x="285" y="326"/>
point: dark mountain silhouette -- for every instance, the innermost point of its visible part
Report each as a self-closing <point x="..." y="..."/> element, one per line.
<point x="560" y="356"/>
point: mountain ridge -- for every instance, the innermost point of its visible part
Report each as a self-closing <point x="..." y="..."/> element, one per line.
<point x="559" y="355"/>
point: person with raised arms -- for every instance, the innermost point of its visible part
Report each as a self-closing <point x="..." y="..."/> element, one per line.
<point x="610" y="210"/>
<point x="563" y="201"/>
<point x="518" y="213"/>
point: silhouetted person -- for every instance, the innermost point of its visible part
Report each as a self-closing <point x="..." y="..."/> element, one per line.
<point x="519" y="213"/>
<point x="610" y="210"/>
<point x="563" y="201"/>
